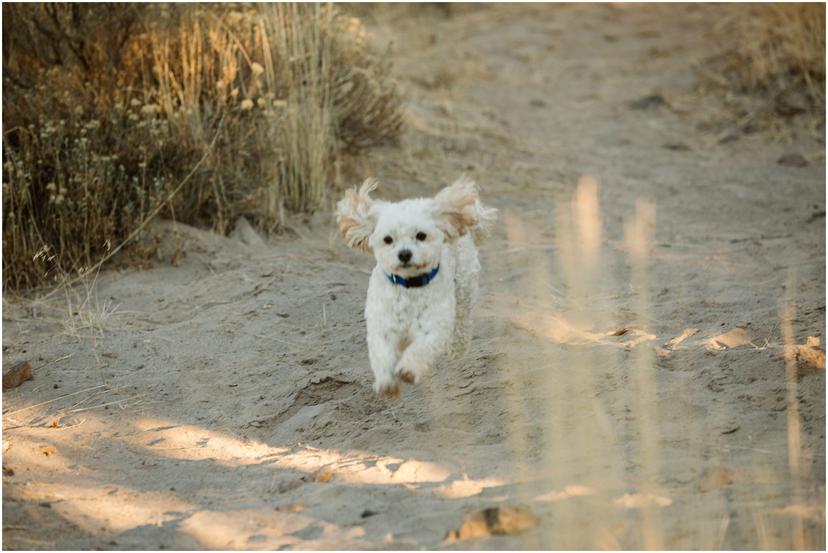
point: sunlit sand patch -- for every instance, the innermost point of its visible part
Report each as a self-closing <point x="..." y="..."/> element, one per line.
<point x="182" y="441"/>
<point x="554" y="328"/>
<point x="112" y="508"/>
<point x="639" y="337"/>
<point x="678" y="340"/>
<point x="195" y="443"/>
<point x="674" y="343"/>
<point x="572" y="490"/>
<point x="739" y="336"/>
<point x="811" y="511"/>
<point x="32" y="453"/>
<point x="641" y="500"/>
<point x="559" y="330"/>
<point x="260" y="530"/>
<point x="420" y="471"/>
<point x="467" y="487"/>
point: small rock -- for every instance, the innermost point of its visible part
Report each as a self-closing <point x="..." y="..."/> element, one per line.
<point x="245" y="234"/>
<point x="537" y="103"/>
<point x="791" y="103"/>
<point x="323" y="475"/>
<point x="368" y="513"/>
<point x="809" y="357"/>
<point x="8" y="471"/>
<point x="677" y="146"/>
<point x="663" y="353"/>
<point x="793" y="160"/>
<point x="289" y="485"/>
<point x="495" y="521"/>
<point x="48" y="450"/>
<point x="647" y="102"/>
<point x="295" y="507"/>
<point x="17" y="375"/>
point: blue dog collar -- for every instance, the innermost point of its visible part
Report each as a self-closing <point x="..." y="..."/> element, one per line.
<point x="415" y="281"/>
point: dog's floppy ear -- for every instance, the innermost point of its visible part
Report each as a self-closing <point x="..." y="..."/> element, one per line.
<point x="457" y="211"/>
<point x="354" y="215"/>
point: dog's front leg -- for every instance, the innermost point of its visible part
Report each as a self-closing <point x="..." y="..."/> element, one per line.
<point x="383" y="355"/>
<point x="428" y="341"/>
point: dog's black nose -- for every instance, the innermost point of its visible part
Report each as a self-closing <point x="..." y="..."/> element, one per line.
<point x="404" y="255"/>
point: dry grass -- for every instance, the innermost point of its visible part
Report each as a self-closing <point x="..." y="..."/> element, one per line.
<point x="106" y="112"/>
<point x="776" y="52"/>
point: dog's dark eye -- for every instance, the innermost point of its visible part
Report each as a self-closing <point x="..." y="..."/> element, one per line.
<point x="421" y="236"/>
<point x="387" y="239"/>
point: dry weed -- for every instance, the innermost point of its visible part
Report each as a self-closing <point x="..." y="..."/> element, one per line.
<point x="107" y="111"/>
<point x="773" y="55"/>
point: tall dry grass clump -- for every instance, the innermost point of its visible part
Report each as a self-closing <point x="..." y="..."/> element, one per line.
<point x="108" y="110"/>
<point x="777" y="51"/>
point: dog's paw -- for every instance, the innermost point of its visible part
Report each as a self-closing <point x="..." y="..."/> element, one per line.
<point x="387" y="390"/>
<point x="407" y="376"/>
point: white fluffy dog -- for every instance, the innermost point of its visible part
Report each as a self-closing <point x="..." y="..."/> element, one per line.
<point x="425" y="282"/>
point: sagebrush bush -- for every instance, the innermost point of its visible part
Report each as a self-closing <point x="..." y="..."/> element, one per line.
<point x="776" y="49"/>
<point x="106" y="108"/>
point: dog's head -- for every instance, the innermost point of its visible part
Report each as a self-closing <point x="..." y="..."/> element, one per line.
<point x="407" y="237"/>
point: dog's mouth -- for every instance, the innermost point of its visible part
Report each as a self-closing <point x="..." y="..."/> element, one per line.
<point x="408" y="266"/>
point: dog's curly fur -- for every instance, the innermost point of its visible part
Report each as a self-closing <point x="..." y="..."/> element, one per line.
<point x="409" y="328"/>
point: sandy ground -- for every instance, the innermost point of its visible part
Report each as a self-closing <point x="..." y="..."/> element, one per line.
<point x="224" y="400"/>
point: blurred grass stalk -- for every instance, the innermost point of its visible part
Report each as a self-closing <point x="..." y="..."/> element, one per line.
<point x="106" y="109"/>
<point x="577" y="435"/>
<point x="787" y="315"/>
<point x="638" y="237"/>
<point x="579" y="232"/>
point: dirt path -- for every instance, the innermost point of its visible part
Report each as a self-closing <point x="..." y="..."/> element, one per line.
<point x="226" y="402"/>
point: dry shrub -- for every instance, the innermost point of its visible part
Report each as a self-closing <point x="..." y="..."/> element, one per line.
<point x="777" y="52"/>
<point x="106" y="110"/>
